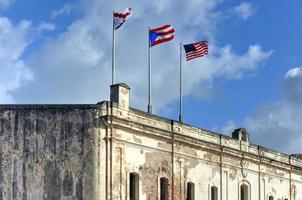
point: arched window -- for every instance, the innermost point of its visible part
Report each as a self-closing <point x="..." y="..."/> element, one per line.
<point x="214" y="193"/>
<point x="134" y="186"/>
<point x="244" y="192"/>
<point x="190" y="191"/>
<point x="270" y="198"/>
<point x="164" y="189"/>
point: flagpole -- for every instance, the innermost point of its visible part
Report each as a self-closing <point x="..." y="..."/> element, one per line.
<point x="180" y="85"/>
<point x="113" y="50"/>
<point x="149" y="74"/>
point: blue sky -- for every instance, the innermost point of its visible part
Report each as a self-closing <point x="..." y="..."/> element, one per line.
<point x="60" y="52"/>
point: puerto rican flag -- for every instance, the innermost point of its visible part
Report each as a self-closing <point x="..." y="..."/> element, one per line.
<point x="120" y="17"/>
<point x="161" y="34"/>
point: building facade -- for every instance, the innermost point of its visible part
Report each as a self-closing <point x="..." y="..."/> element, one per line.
<point x="109" y="151"/>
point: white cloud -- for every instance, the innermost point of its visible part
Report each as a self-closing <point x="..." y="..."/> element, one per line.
<point x="234" y="66"/>
<point x="75" y="67"/>
<point x="13" y="40"/>
<point x="227" y="129"/>
<point x="245" y="10"/>
<point x="294" y="72"/>
<point x="46" y="26"/>
<point x="278" y="125"/>
<point x="64" y="10"/>
<point x="5" y="3"/>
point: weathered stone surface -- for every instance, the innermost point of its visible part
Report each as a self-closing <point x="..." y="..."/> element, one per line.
<point x="79" y="189"/>
<point x="44" y="152"/>
<point x="52" y="181"/>
<point x="87" y="152"/>
<point x="1" y="175"/>
<point x="68" y="184"/>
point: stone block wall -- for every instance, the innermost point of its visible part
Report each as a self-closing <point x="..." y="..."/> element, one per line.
<point x="48" y="152"/>
<point x="87" y="152"/>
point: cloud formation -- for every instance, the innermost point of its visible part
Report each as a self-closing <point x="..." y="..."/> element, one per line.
<point x="46" y="26"/>
<point x="64" y="10"/>
<point x="75" y="66"/>
<point x="13" y="41"/>
<point x="5" y="3"/>
<point x="228" y="128"/>
<point x="278" y="124"/>
<point x="245" y="10"/>
<point x="235" y="66"/>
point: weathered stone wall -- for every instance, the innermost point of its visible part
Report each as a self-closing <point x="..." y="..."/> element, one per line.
<point x="74" y="152"/>
<point x="154" y="147"/>
<point x="49" y="152"/>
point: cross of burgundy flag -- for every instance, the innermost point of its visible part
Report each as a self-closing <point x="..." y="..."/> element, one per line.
<point x="196" y="50"/>
<point x="161" y="34"/>
<point x="120" y="17"/>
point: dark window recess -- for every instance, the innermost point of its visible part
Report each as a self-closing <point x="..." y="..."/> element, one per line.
<point x="244" y="192"/>
<point x="271" y="198"/>
<point x="214" y="193"/>
<point x="134" y="186"/>
<point x="164" y="188"/>
<point x="190" y="191"/>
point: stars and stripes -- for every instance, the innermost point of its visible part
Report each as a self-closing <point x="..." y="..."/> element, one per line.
<point x="120" y="17"/>
<point x="161" y="34"/>
<point x="157" y="36"/>
<point x="196" y="50"/>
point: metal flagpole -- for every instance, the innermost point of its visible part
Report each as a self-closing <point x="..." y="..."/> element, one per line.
<point x="149" y="73"/>
<point x="180" y="85"/>
<point x="113" y="50"/>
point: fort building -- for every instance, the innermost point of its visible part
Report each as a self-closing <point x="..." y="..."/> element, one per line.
<point x="109" y="151"/>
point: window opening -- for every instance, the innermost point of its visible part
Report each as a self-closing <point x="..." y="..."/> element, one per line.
<point x="134" y="186"/>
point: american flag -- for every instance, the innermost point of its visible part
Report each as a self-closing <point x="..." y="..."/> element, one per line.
<point x="196" y="50"/>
